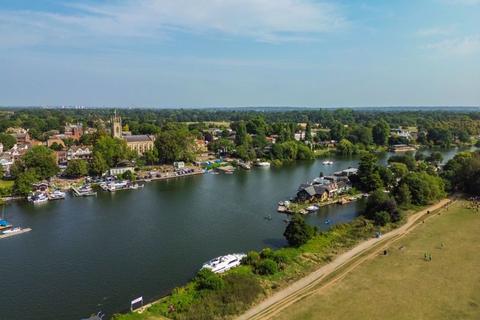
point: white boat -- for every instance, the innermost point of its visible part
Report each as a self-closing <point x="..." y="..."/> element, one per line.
<point x="224" y="263"/>
<point x="57" y="195"/>
<point x="264" y="164"/>
<point x="38" y="198"/>
<point x="13" y="230"/>
<point x="312" y="208"/>
<point x="327" y="162"/>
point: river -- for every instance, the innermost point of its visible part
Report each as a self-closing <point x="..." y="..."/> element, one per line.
<point x="84" y="255"/>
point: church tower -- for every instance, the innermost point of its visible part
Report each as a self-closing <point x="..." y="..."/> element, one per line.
<point x="116" y="126"/>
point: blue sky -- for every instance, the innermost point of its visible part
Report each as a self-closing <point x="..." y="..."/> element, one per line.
<point x="199" y="53"/>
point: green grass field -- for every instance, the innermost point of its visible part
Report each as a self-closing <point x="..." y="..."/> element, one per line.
<point x="402" y="285"/>
<point x="6" y="183"/>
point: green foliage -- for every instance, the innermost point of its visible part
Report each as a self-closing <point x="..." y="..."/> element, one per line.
<point x="381" y="218"/>
<point x="266" y="267"/>
<point x="208" y="280"/>
<point x="128" y="175"/>
<point x="98" y="165"/>
<point x="380" y="201"/>
<point x="251" y="259"/>
<point x="406" y="159"/>
<point x="345" y="148"/>
<point x="39" y="159"/>
<point x="291" y="150"/>
<point x="23" y="182"/>
<point x="298" y="232"/>
<point x="7" y="140"/>
<point x="175" y="143"/>
<point x="380" y="133"/>
<point x="151" y="156"/>
<point x="424" y="188"/>
<point x="112" y="150"/>
<point x="368" y="173"/>
<point x="400" y="170"/>
<point x="76" y="168"/>
<point x="403" y="195"/>
<point x="462" y="173"/>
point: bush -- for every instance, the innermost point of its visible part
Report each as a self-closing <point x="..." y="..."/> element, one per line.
<point x="381" y="218"/>
<point x="207" y="280"/>
<point x="281" y="258"/>
<point x="266" y="267"/>
<point x="251" y="259"/>
<point x="266" y="253"/>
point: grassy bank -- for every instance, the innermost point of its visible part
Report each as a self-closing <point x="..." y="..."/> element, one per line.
<point x="242" y="287"/>
<point x="403" y="285"/>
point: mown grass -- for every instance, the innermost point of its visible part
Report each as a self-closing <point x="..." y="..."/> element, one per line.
<point x="402" y="285"/>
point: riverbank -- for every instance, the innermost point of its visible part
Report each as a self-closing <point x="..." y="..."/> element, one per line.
<point x="293" y="264"/>
<point x="299" y="289"/>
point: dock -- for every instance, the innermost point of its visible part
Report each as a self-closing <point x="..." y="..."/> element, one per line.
<point x="2" y="236"/>
<point x="78" y="193"/>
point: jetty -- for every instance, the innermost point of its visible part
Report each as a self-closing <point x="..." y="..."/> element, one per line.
<point x="3" y="236"/>
<point x="83" y="193"/>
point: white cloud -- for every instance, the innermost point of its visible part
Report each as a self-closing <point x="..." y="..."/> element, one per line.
<point x="262" y="20"/>
<point x="461" y="46"/>
<point x="435" y="32"/>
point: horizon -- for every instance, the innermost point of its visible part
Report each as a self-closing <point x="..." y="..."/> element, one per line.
<point x="216" y="54"/>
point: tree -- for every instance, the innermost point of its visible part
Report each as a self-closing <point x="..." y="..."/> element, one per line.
<point x="298" y="232"/>
<point x="379" y="201"/>
<point x="381" y="218"/>
<point x="345" y="148"/>
<point x="435" y="158"/>
<point x="23" y="183"/>
<point x="113" y="150"/>
<point x="337" y="131"/>
<point x="424" y="188"/>
<point x="40" y="159"/>
<point x="151" y="156"/>
<point x="175" y="143"/>
<point x="399" y="170"/>
<point x="368" y="173"/>
<point x="403" y="195"/>
<point x="76" y="168"/>
<point x="381" y="132"/>
<point x="308" y="133"/>
<point x="7" y="140"/>
<point x="56" y="146"/>
<point x="98" y="165"/>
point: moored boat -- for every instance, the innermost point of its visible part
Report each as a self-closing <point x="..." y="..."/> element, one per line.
<point x="327" y="162"/>
<point x="224" y="263"/>
<point x="263" y="164"/>
<point x="38" y="198"/>
<point x="57" y="195"/>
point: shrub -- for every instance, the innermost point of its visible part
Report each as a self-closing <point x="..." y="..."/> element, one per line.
<point x="266" y="253"/>
<point x="381" y="218"/>
<point x="298" y="232"/>
<point x="266" y="267"/>
<point x="251" y="259"/>
<point x="207" y="280"/>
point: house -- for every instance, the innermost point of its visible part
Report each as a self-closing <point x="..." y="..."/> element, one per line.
<point x="73" y="131"/>
<point x="79" y="152"/>
<point x="179" y="165"/>
<point x="120" y="170"/>
<point x="321" y="192"/>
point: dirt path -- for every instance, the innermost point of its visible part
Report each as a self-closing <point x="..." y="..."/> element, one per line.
<point x="306" y="286"/>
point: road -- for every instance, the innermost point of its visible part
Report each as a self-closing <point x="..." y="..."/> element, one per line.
<point x="352" y="258"/>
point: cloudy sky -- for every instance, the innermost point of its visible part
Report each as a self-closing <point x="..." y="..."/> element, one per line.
<point x="196" y="53"/>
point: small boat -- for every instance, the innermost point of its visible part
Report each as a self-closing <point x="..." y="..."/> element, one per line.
<point x="38" y="198"/>
<point x="327" y="221"/>
<point x="13" y="230"/>
<point x="57" y="195"/>
<point x="263" y="164"/>
<point x="327" y="162"/>
<point x="269" y="217"/>
<point x="224" y="263"/>
<point x="312" y="208"/>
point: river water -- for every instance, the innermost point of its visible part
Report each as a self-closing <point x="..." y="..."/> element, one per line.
<point x="84" y="255"/>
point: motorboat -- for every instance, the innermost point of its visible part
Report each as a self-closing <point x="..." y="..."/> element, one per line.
<point x="224" y="263"/>
<point x="312" y="208"/>
<point x="57" y="195"/>
<point x="327" y="162"/>
<point x="38" y="198"/>
<point x="13" y="230"/>
<point x="264" y="164"/>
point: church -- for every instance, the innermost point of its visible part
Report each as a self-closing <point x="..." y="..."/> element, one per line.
<point x="139" y="143"/>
